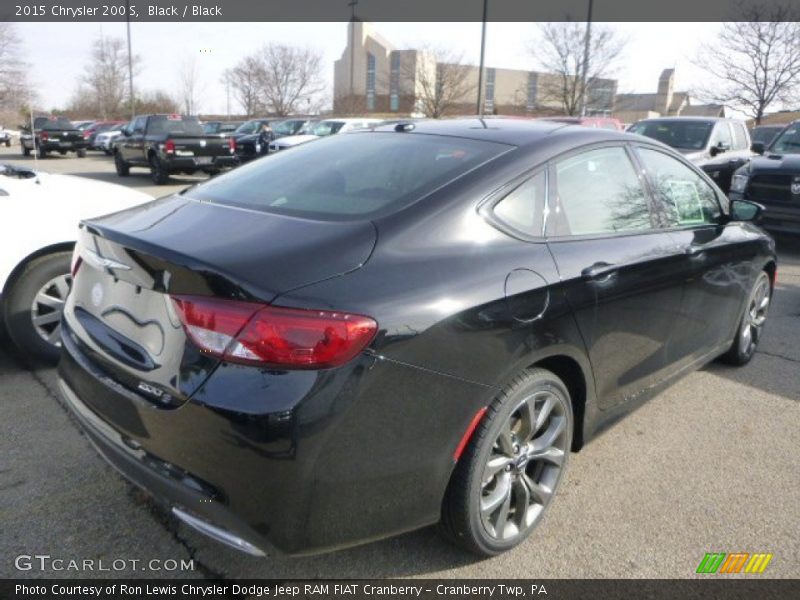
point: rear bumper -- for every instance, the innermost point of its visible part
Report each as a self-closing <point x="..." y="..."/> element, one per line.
<point x="190" y="163"/>
<point x="296" y="462"/>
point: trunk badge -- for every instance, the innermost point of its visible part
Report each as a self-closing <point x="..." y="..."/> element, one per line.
<point x="796" y="187"/>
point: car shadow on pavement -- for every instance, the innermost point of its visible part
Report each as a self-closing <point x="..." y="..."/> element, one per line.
<point x="140" y="179"/>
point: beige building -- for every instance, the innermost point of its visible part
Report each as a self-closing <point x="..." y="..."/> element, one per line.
<point x="373" y="76"/>
<point x="666" y="102"/>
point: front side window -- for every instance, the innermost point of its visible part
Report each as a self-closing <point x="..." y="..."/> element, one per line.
<point x="722" y="136"/>
<point x="684" y="135"/>
<point x="523" y="208"/>
<point x="686" y="197"/>
<point x="349" y="176"/>
<point x="598" y="192"/>
<point x="788" y="142"/>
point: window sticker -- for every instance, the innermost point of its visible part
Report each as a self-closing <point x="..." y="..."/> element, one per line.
<point x="688" y="205"/>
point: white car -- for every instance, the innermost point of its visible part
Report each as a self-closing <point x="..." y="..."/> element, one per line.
<point x="105" y="139"/>
<point x="322" y="129"/>
<point x="39" y="215"/>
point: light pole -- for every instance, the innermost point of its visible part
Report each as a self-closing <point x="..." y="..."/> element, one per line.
<point x="587" y="41"/>
<point x="479" y="107"/>
<point x="130" y="59"/>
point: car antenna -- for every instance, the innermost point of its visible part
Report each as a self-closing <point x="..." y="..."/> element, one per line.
<point x="35" y="153"/>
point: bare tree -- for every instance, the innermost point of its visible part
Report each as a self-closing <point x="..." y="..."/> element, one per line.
<point x="156" y="101"/>
<point x="559" y="52"/>
<point x="290" y="76"/>
<point x="15" y="90"/>
<point x="106" y="76"/>
<point x="190" y="86"/>
<point x="755" y="61"/>
<point x="443" y="82"/>
<point x="244" y="80"/>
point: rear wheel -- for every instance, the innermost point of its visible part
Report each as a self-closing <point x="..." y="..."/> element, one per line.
<point x="157" y="171"/>
<point x="81" y="153"/>
<point x="8" y="143"/>
<point x="33" y="308"/>
<point x="42" y="152"/>
<point x="123" y="168"/>
<point x="751" y="326"/>
<point x="507" y="476"/>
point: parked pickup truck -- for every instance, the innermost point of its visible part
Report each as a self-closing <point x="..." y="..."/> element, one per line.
<point x="52" y="134"/>
<point x="168" y="144"/>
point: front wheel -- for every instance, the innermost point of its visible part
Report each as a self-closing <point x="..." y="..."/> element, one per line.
<point x="33" y="309"/>
<point x="506" y="478"/>
<point x="25" y="150"/>
<point x="748" y="334"/>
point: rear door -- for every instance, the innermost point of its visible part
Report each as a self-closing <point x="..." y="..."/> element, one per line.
<point x="621" y="272"/>
<point x="133" y="145"/>
<point x="717" y="256"/>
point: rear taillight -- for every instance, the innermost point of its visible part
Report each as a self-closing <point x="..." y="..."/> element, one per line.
<point x="232" y="145"/>
<point x="169" y="147"/>
<point x="44" y="136"/>
<point x="76" y="261"/>
<point x="86" y="134"/>
<point x="259" y="334"/>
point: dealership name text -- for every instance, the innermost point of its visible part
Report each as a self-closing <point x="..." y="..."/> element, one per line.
<point x="216" y="590"/>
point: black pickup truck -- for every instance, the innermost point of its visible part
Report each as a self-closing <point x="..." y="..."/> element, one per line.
<point x="772" y="178"/>
<point x="52" y="134"/>
<point x="168" y="144"/>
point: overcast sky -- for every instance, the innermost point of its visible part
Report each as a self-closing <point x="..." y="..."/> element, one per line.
<point x="58" y="52"/>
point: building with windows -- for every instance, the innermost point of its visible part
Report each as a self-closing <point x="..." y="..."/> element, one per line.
<point x="373" y="76"/>
<point x="664" y="103"/>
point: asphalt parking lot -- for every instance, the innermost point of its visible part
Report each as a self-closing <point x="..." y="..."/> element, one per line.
<point x="710" y="465"/>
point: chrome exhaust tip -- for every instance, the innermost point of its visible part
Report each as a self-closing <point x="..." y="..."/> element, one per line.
<point x="217" y="533"/>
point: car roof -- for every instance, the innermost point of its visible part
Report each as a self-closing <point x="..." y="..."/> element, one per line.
<point x="516" y="132"/>
<point x="694" y="118"/>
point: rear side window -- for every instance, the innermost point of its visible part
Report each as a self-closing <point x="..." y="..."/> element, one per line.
<point x="357" y="175"/>
<point x="688" y="199"/>
<point x="523" y="208"/>
<point x="598" y="192"/>
<point x="739" y="137"/>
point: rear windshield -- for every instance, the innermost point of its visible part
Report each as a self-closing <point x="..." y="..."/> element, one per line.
<point x="358" y="175"/>
<point x="175" y="126"/>
<point x="688" y="135"/>
<point x="53" y="124"/>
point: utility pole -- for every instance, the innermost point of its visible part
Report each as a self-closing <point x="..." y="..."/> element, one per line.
<point x="479" y="107"/>
<point x="587" y="43"/>
<point x="352" y="5"/>
<point x="130" y="59"/>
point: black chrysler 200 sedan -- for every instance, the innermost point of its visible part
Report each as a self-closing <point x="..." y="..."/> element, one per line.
<point x="389" y="329"/>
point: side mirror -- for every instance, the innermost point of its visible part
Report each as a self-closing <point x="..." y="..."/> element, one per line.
<point x="719" y="148"/>
<point x="758" y="148"/>
<point x="744" y="210"/>
<point x="125" y="131"/>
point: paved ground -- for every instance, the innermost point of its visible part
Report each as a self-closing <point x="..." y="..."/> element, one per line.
<point x="709" y="465"/>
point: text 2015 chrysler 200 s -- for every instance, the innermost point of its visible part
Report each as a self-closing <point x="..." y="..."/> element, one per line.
<point x="388" y="329"/>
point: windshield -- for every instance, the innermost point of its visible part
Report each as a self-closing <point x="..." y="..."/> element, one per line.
<point x="687" y="135"/>
<point x="175" y="125"/>
<point x="788" y="142"/>
<point x="354" y="176"/>
<point x="287" y="127"/>
<point x="53" y="124"/>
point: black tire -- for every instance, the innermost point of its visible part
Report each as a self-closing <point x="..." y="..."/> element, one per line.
<point x="18" y="306"/>
<point x="530" y="472"/>
<point x="81" y="153"/>
<point x="42" y="152"/>
<point x="106" y="152"/>
<point x="751" y="326"/>
<point x="8" y="143"/>
<point x="158" y="173"/>
<point x="25" y="150"/>
<point x="123" y="168"/>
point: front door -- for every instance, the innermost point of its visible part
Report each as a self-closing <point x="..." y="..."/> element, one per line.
<point x="620" y="272"/>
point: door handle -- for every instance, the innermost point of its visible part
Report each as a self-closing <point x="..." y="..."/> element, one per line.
<point x="599" y="270"/>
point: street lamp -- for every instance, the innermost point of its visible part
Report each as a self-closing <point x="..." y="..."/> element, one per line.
<point x="130" y="59"/>
<point x="587" y="41"/>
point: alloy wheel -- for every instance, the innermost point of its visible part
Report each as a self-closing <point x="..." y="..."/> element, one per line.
<point x="524" y="466"/>
<point x="48" y="306"/>
<point x="755" y="315"/>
